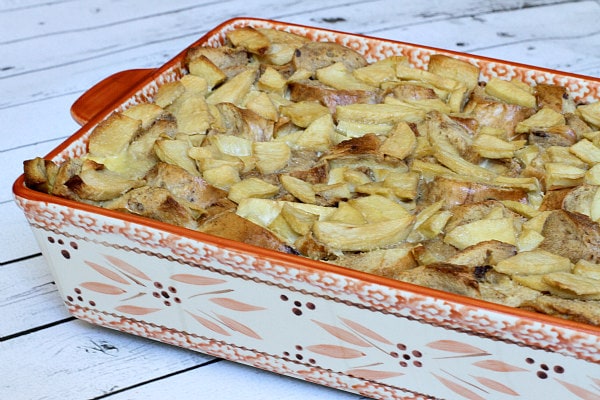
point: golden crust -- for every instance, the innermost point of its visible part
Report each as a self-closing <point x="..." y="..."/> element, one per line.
<point x="455" y="192"/>
<point x="314" y="55"/>
<point x="587" y="312"/>
<point x="571" y="235"/>
<point x="40" y="174"/>
<point x="231" y="226"/>
<point x="308" y="90"/>
<point x="497" y="114"/>
<point x="155" y="203"/>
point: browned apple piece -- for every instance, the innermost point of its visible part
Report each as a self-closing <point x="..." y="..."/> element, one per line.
<point x="456" y="191"/>
<point x="155" y="203"/>
<point x="249" y="39"/>
<point x="584" y="311"/>
<point x="96" y="183"/>
<point x="40" y="174"/>
<point x="229" y="60"/>
<point x="282" y="46"/>
<point x="315" y="55"/>
<point x="244" y="123"/>
<point x="551" y="96"/>
<point x="571" y="235"/>
<point x="231" y="226"/>
<point x="113" y="135"/>
<point x="308" y="90"/>
<point x="182" y="184"/>
<point x="497" y="114"/>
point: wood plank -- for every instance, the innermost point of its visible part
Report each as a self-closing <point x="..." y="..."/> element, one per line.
<point x="225" y="380"/>
<point x="157" y="22"/>
<point x="76" y="16"/>
<point x="16" y="236"/>
<point x="28" y="297"/>
<point x="547" y="41"/>
<point x="175" y="30"/>
<point x="75" y="360"/>
<point x="14" y="5"/>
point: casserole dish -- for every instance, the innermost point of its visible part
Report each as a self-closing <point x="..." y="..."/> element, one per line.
<point x="315" y="321"/>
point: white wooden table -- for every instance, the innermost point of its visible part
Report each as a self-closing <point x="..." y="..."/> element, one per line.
<point x="52" y="51"/>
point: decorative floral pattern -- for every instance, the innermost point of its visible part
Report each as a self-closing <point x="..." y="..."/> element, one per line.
<point x="140" y="295"/>
<point x="302" y="318"/>
<point x="216" y="309"/>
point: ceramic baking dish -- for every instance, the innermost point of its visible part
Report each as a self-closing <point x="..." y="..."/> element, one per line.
<point x="290" y="315"/>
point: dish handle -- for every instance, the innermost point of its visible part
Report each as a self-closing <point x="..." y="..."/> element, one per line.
<point x="105" y="92"/>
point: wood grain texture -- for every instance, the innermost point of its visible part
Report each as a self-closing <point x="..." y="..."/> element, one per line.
<point x="52" y="51"/>
<point x="61" y="355"/>
<point x="28" y="297"/>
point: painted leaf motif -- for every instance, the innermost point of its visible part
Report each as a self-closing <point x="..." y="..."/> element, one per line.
<point x="136" y="310"/>
<point x="238" y="327"/>
<point x="135" y="296"/>
<point x="196" y="279"/>
<point x="103" y="288"/>
<point x="130" y="269"/>
<point x="579" y="391"/>
<point x="373" y="375"/>
<point x="456" y="347"/>
<point x="334" y="351"/>
<point x="459" y="389"/>
<point x="343" y="334"/>
<point x="107" y="273"/>
<point x="498" y="366"/>
<point x="365" y="331"/>
<point x="495" y="385"/>
<point x="235" y="305"/>
<point x="210" y="324"/>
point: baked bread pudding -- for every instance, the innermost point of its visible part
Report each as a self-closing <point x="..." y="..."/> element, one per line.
<point x="427" y="176"/>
